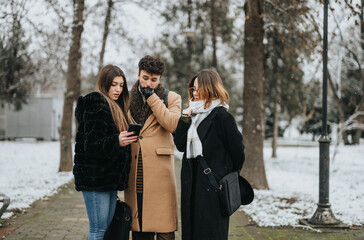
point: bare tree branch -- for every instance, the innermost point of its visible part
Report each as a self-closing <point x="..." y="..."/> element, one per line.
<point x="59" y="11"/>
<point x="107" y="22"/>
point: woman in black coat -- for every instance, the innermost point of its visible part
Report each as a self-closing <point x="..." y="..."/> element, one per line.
<point x="211" y="133"/>
<point x="102" y="151"/>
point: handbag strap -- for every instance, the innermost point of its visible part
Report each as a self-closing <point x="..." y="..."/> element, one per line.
<point x="207" y="171"/>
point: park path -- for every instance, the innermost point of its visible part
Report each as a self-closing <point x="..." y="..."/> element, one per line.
<point x="63" y="217"/>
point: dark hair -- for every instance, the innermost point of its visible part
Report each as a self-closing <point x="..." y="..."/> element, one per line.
<point x="103" y="84"/>
<point x="151" y="64"/>
<point x="210" y="87"/>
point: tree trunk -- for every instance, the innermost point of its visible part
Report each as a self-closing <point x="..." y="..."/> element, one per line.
<point x="339" y="108"/>
<point x="189" y="40"/>
<point x="356" y="136"/>
<point x="253" y="116"/>
<point x="361" y="104"/>
<point x="110" y="4"/>
<point x="213" y="31"/>
<point x="72" y="87"/>
<point x="275" y="131"/>
<point x="336" y="98"/>
<point x="277" y="90"/>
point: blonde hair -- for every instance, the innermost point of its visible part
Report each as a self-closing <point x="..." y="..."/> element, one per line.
<point x="210" y="87"/>
<point x="119" y="107"/>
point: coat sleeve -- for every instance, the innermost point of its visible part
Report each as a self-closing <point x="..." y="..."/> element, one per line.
<point x="97" y="119"/>
<point x="166" y="117"/>
<point x="233" y="140"/>
<point x="180" y="136"/>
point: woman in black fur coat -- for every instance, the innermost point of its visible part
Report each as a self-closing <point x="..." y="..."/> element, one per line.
<point x="102" y="151"/>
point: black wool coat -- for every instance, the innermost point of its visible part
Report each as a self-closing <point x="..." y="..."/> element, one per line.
<point x="223" y="150"/>
<point x="100" y="164"/>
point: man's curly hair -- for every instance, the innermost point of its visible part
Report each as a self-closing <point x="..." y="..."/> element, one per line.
<point x="151" y="64"/>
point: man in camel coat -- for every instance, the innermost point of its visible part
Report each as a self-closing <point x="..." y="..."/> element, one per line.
<point x="151" y="193"/>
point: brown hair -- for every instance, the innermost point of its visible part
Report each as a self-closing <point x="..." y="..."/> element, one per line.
<point x="151" y="64"/>
<point x="210" y="87"/>
<point x="119" y="107"/>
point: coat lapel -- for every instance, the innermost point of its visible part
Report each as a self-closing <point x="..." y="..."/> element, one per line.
<point x="147" y="123"/>
<point x="205" y="124"/>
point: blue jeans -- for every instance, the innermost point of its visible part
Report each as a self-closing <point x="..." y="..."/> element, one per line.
<point x="100" y="207"/>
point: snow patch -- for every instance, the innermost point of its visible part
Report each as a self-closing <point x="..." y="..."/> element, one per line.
<point x="29" y="171"/>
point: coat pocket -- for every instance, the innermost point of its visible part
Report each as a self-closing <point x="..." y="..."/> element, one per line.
<point x="164" y="151"/>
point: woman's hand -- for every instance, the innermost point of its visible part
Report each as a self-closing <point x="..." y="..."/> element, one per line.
<point x="126" y="138"/>
<point x="187" y="112"/>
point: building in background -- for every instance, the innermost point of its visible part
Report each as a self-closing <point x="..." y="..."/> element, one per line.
<point x="40" y="118"/>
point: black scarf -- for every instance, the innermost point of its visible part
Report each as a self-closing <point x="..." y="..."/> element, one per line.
<point x="140" y="110"/>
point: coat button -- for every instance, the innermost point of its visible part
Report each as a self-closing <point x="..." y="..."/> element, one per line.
<point x="141" y="137"/>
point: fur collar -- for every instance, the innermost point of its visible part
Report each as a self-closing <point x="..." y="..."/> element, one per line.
<point x="140" y="110"/>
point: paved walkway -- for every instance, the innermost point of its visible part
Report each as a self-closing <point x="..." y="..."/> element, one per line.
<point x="63" y="217"/>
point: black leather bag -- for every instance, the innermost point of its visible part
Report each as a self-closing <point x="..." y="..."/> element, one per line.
<point x="233" y="189"/>
<point x="229" y="194"/>
<point x="119" y="227"/>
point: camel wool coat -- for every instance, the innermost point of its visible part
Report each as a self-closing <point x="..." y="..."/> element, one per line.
<point x="159" y="182"/>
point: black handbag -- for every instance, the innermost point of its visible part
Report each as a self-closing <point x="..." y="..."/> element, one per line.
<point x="119" y="227"/>
<point x="230" y="193"/>
<point x="233" y="189"/>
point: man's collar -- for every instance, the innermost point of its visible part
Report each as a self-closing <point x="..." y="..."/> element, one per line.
<point x="144" y="100"/>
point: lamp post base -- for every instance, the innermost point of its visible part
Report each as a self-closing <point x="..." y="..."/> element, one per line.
<point x="323" y="218"/>
<point x="305" y="221"/>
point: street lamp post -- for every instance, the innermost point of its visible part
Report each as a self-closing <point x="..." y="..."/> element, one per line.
<point x="324" y="216"/>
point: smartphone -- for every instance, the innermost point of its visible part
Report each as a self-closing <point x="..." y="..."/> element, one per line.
<point x="135" y="127"/>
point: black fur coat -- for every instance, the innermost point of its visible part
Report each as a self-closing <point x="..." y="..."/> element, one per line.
<point x="100" y="164"/>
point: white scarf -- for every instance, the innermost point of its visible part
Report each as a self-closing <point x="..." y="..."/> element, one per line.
<point x="199" y="113"/>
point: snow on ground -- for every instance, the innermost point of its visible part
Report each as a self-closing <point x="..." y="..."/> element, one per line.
<point x="29" y="171"/>
<point x="293" y="179"/>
